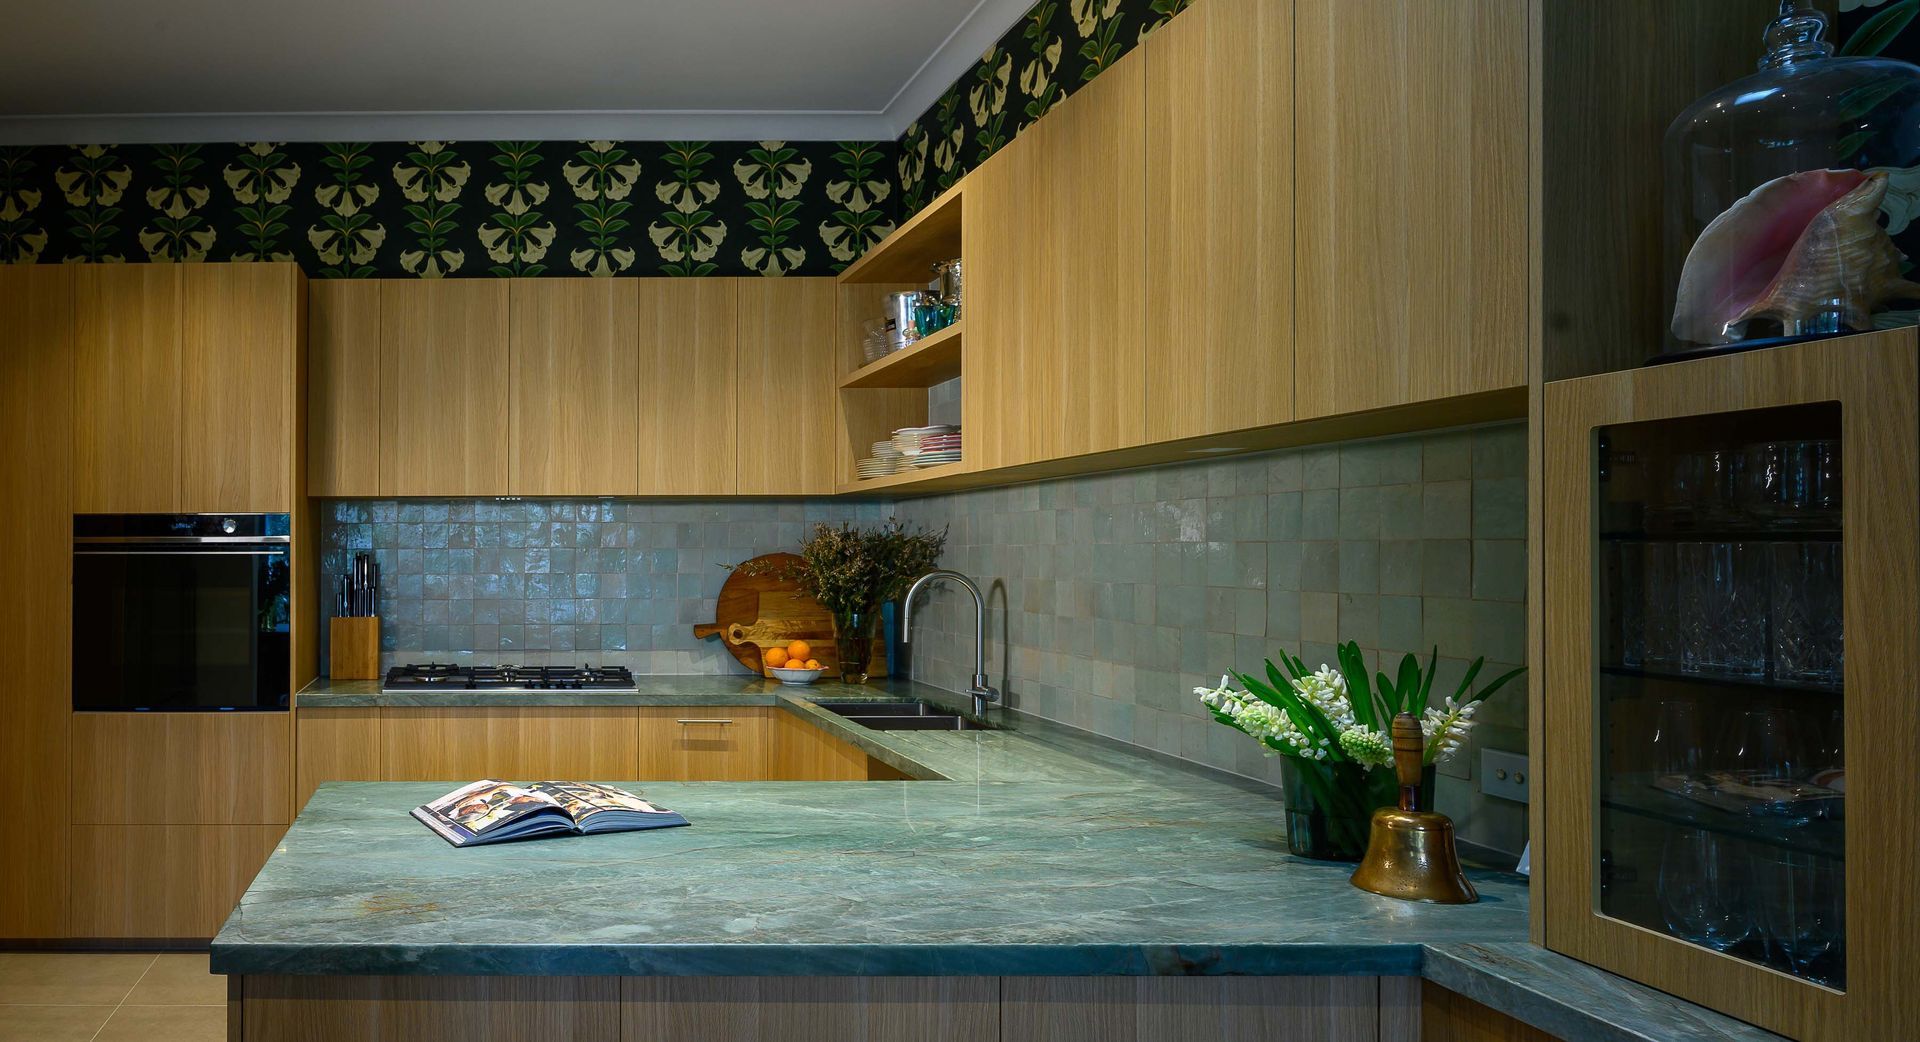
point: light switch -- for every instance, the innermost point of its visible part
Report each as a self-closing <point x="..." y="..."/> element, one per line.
<point x="1504" y="774"/>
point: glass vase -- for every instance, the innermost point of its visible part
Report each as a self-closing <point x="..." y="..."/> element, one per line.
<point x="1330" y="805"/>
<point x="853" y="633"/>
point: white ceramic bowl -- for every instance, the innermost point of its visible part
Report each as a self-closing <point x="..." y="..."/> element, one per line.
<point x="795" y="677"/>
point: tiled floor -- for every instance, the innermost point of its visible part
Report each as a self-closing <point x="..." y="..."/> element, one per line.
<point x="88" y="997"/>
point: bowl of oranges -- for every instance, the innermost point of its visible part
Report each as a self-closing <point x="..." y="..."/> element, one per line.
<point x="793" y="665"/>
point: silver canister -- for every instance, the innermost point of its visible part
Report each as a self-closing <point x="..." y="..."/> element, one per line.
<point x="900" y="312"/>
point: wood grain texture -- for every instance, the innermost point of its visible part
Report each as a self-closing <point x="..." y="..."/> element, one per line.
<point x="1876" y="380"/>
<point x="785" y="391"/>
<point x="126" y="423"/>
<point x="574" y="367"/>
<point x="810" y="1009"/>
<point x="803" y="752"/>
<point x="443" y="387"/>
<point x="343" y="387"/>
<point x="932" y="359"/>
<point x="909" y="253"/>
<point x="685" y="400"/>
<point x="1056" y="281"/>
<point x="36" y="623"/>
<point x="182" y="768"/>
<point x="240" y="340"/>
<point x="430" y="1009"/>
<point x="1219" y="340"/>
<point x="163" y="881"/>
<point x="334" y="745"/>
<point x="1153" y="1009"/>
<point x="615" y="742"/>
<point x="1400" y="1009"/>
<point x="1411" y="169"/>
<point x="353" y="648"/>
<point x="1445" y="1016"/>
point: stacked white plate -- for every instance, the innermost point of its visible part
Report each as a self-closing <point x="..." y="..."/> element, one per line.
<point x="886" y="459"/>
<point x="928" y="446"/>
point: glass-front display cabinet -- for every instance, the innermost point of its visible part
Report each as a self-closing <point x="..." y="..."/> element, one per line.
<point x="1733" y="650"/>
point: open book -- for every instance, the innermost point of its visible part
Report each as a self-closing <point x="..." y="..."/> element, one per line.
<point x="494" y="811"/>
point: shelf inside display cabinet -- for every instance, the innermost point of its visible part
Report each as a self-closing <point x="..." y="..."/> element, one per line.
<point x="1638" y="795"/>
<point x="1635" y="673"/>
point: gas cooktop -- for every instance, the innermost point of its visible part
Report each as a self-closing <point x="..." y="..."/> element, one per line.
<point x="434" y="676"/>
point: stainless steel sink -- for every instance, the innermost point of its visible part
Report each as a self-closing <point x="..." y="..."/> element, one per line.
<point x="904" y="715"/>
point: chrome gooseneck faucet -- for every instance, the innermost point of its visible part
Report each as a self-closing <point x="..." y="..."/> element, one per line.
<point x="981" y="691"/>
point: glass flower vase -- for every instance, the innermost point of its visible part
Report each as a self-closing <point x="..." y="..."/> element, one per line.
<point x="1330" y="805"/>
<point x="853" y="633"/>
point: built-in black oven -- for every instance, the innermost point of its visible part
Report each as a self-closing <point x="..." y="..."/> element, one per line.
<point x="181" y="611"/>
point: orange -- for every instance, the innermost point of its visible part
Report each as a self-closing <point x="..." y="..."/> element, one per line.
<point x="776" y="657"/>
<point x="799" y="651"/>
<point x="813" y="663"/>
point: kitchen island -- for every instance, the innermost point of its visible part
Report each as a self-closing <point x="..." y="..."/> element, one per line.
<point x="1041" y="885"/>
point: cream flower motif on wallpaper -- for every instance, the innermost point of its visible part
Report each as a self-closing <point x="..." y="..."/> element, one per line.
<point x="772" y="176"/>
<point x="430" y="177"/>
<point x="1088" y="14"/>
<point x="688" y="235"/>
<point x="262" y="180"/>
<point x="517" y="234"/>
<point x="347" y="237"/>
<point x="858" y="195"/>
<point x="602" y="175"/>
<point x="21" y="238"/>
<point x="93" y="180"/>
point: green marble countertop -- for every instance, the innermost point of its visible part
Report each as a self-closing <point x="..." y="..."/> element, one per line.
<point x="1030" y="849"/>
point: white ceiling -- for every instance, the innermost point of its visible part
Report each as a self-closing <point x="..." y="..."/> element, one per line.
<point x="285" y="70"/>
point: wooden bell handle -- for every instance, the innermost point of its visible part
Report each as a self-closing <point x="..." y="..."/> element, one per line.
<point x="1409" y="750"/>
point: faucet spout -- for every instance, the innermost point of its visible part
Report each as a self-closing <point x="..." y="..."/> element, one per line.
<point x="981" y="691"/>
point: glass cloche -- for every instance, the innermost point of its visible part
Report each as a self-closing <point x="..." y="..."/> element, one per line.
<point x="1782" y="190"/>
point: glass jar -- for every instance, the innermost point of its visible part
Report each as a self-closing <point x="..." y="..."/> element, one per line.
<point x="1782" y="188"/>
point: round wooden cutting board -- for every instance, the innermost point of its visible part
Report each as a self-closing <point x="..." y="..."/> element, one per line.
<point x="755" y="611"/>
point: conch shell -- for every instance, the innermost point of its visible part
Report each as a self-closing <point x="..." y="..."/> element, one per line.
<point x="1797" y="247"/>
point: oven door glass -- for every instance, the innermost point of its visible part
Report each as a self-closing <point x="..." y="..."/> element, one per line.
<point x="167" y="626"/>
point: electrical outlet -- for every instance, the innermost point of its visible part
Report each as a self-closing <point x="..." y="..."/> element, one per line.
<point x="1504" y="775"/>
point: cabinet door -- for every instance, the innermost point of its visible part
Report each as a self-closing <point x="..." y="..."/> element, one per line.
<point x="126" y="434"/>
<point x="343" y="387"/>
<point x="719" y="743"/>
<point x="786" y="387"/>
<point x="1731" y="566"/>
<point x="1220" y="220"/>
<point x="575" y="361"/>
<point x="164" y="881"/>
<point x="242" y="334"/>
<point x="1055" y="246"/>
<point x="685" y="396"/>
<point x="443" y="387"/>
<point x="36" y="620"/>
<point x="1411" y="175"/>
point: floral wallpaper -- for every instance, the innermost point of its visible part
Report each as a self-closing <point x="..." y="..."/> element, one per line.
<point x="442" y="208"/>
<point x="1058" y="46"/>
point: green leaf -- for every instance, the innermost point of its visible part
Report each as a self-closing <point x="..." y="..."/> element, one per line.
<point x="1495" y="686"/>
<point x="1851" y="145"/>
<point x="1409" y="685"/>
<point x="1859" y="101"/>
<point x="1877" y="32"/>
<point x="1354" y="667"/>
<point x="1426" y="686"/>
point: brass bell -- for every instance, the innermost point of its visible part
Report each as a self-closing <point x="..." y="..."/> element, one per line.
<point x="1410" y="853"/>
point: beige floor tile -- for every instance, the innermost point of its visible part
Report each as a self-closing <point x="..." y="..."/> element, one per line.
<point x="179" y="980"/>
<point x="165" y="1024"/>
<point x="69" y="978"/>
<point x="51" y="1023"/>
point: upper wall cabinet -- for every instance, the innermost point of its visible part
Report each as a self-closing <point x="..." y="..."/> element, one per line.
<point x="573" y="344"/>
<point x="126" y="433"/>
<point x="1219" y="344"/>
<point x="443" y="387"/>
<point x="239" y="358"/>
<point x="685" y="395"/>
<point x="1411" y="174"/>
<point x="185" y="383"/>
<point x="1055" y="248"/>
<point x="343" y="387"/>
<point x="786" y="387"/>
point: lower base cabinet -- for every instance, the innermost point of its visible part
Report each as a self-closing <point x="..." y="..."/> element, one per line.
<point x="862" y="1009"/>
<point x="163" y="882"/>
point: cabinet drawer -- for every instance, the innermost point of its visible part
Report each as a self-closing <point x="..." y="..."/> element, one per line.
<point x="163" y="881"/>
<point x="716" y="743"/>
<point x="182" y="769"/>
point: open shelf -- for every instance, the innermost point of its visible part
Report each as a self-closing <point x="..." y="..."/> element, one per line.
<point x="932" y="359"/>
<point x="909" y="254"/>
<point x="946" y="472"/>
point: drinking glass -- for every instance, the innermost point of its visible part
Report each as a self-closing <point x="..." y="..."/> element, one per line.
<point x="1763" y="469"/>
<point x="1661" y="615"/>
<point x="1626" y="577"/>
<point x="1702" y="888"/>
<point x="1809" y="493"/>
<point x="1808" y="613"/>
<point x="1678" y="743"/>
<point x="1801" y="901"/>
<point x="1723" y="608"/>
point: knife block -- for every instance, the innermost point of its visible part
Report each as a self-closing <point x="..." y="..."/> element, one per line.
<point x="353" y="648"/>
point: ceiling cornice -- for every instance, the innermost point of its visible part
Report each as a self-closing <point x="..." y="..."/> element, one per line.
<point x="979" y="30"/>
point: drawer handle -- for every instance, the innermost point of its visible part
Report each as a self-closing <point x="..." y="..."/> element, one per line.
<point x="684" y="723"/>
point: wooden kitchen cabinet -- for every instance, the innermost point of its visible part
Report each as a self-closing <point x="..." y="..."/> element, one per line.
<point x="343" y="387"/>
<point x="1411" y="171"/>
<point x="1055" y="251"/>
<point x="241" y="356"/>
<point x="787" y="375"/>
<point x="127" y="421"/>
<point x="444" y="387"/>
<point x="718" y="743"/>
<point x="163" y="882"/>
<point x="572" y="345"/>
<point x="1219" y="203"/>
<point x="182" y="768"/>
<point x="36" y="451"/>
<point x="686" y="398"/>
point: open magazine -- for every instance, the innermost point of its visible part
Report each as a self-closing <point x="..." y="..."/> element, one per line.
<point x="495" y="811"/>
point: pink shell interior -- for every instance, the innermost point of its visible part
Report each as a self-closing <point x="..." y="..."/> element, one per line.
<point x="1757" y="245"/>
